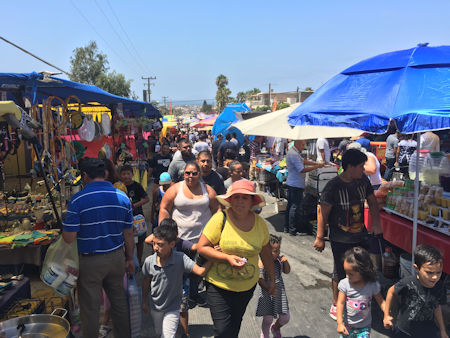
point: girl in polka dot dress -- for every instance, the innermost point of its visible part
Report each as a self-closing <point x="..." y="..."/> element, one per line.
<point x="270" y="307"/>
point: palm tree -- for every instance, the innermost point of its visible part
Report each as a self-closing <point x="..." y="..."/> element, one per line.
<point x="221" y="81"/>
<point x="223" y="93"/>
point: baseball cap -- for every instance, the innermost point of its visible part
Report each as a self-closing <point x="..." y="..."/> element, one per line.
<point x="165" y="178"/>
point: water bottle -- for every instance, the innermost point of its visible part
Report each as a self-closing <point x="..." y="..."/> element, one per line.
<point x="390" y="264"/>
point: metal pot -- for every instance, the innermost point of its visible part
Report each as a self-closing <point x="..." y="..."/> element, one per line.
<point x="40" y="325"/>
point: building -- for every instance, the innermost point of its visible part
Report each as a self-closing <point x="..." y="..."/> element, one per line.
<point x="264" y="99"/>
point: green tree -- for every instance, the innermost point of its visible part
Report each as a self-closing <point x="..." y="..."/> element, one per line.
<point x="114" y="83"/>
<point x="90" y="66"/>
<point x="206" y="108"/>
<point x="222" y="93"/>
<point x="309" y="89"/>
<point x="253" y="91"/>
<point x="241" y="97"/>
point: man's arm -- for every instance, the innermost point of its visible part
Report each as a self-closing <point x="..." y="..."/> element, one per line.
<point x="375" y="213"/>
<point x="69" y="237"/>
<point x="129" y="249"/>
<point x="143" y="201"/>
<point x="322" y="220"/>
<point x="166" y="206"/>
<point x="201" y="270"/>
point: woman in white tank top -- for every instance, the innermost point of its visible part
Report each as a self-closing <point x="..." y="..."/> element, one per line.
<point x="190" y="203"/>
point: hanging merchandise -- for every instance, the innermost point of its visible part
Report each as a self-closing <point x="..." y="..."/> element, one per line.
<point x="136" y="175"/>
<point x="144" y="180"/>
<point x="98" y="134"/>
<point x="106" y="124"/>
<point x="79" y="149"/>
<point x="87" y="130"/>
<point x="76" y="119"/>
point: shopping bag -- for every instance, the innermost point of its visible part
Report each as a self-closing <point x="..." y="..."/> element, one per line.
<point x="134" y="304"/>
<point x="60" y="268"/>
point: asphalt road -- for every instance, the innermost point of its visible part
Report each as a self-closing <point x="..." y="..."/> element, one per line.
<point x="308" y="288"/>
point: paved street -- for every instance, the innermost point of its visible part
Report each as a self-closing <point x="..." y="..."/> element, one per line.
<point x="307" y="287"/>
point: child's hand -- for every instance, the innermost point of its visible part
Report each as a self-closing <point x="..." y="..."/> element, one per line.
<point x="342" y="329"/>
<point x="194" y="247"/>
<point x="444" y="334"/>
<point x="388" y="322"/>
<point x="283" y="259"/>
<point x="144" y="307"/>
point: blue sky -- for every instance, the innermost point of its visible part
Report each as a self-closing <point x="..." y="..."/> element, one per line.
<point x="186" y="44"/>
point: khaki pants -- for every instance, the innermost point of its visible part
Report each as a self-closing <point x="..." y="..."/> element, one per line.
<point x="107" y="271"/>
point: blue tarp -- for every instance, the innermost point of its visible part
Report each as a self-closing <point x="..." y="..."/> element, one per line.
<point x="227" y="117"/>
<point x="410" y="86"/>
<point x="32" y="86"/>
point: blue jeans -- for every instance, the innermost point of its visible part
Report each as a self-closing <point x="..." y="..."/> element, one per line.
<point x="295" y="196"/>
<point x="389" y="168"/>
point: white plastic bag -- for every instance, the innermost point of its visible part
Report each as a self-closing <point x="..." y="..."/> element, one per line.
<point x="134" y="305"/>
<point x="60" y="268"/>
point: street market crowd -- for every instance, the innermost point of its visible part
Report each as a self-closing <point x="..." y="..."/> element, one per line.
<point x="205" y="230"/>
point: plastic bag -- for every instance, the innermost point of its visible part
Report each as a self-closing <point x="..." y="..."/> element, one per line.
<point x="60" y="268"/>
<point x="134" y="304"/>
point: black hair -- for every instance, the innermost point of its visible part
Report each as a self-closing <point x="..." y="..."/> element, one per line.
<point x="204" y="152"/>
<point x="93" y="167"/>
<point x="360" y="259"/>
<point x="166" y="232"/>
<point x="230" y="154"/>
<point x="273" y="239"/>
<point x="425" y="253"/>
<point x="245" y="166"/>
<point x="219" y="136"/>
<point x="126" y="167"/>
<point x="202" y="137"/>
<point x="233" y="165"/>
<point x="183" y="140"/>
<point x="353" y="157"/>
<point x="109" y="166"/>
<point x="233" y="135"/>
<point x="192" y="163"/>
<point x="170" y="222"/>
<point x="228" y="137"/>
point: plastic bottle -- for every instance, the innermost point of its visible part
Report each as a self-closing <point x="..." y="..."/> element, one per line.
<point x="390" y="264"/>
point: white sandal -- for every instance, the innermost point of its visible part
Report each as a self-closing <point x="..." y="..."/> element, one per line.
<point x="104" y="330"/>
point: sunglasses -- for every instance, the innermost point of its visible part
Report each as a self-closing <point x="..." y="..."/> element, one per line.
<point x="191" y="173"/>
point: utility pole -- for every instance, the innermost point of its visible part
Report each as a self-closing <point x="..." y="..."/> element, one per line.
<point x="270" y="95"/>
<point x="148" y="85"/>
<point x="165" y="99"/>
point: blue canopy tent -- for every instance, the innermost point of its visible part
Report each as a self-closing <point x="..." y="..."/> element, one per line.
<point x="33" y="86"/>
<point x="227" y="117"/>
<point x="409" y="86"/>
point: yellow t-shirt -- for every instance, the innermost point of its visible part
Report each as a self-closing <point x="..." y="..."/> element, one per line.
<point x="240" y="243"/>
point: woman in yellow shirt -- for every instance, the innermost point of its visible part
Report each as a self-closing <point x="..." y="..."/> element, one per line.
<point x="242" y="236"/>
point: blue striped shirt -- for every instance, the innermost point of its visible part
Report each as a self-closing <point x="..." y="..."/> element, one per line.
<point x="99" y="213"/>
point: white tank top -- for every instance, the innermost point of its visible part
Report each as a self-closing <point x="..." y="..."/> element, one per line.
<point x="190" y="214"/>
<point x="375" y="179"/>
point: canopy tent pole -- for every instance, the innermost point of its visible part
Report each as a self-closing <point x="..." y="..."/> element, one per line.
<point x="416" y="202"/>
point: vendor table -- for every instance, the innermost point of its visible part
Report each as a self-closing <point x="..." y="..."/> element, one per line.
<point x="22" y="255"/>
<point x="21" y="290"/>
<point x="398" y="231"/>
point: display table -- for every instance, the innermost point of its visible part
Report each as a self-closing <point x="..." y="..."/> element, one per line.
<point x="24" y="255"/>
<point x="21" y="290"/>
<point x="398" y="231"/>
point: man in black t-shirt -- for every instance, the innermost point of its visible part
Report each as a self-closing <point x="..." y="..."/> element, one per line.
<point x="342" y="208"/>
<point x="210" y="176"/>
<point x="225" y="147"/>
<point x="138" y="197"/>
<point x="159" y="163"/>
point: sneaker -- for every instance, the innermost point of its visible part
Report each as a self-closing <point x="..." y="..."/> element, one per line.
<point x="276" y="333"/>
<point x="333" y="313"/>
<point x="104" y="330"/>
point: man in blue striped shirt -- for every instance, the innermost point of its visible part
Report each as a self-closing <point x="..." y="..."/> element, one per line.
<point x="100" y="218"/>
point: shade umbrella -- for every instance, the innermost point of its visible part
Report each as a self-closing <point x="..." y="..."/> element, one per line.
<point x="410" y="86"/>
<point x="276" y="125"/>
<point x="208" y="122"/>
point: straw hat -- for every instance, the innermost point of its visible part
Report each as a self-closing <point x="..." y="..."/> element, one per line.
<point x="246" y="187"/>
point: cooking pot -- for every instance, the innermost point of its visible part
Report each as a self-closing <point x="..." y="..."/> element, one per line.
<point x="39" y="325"/>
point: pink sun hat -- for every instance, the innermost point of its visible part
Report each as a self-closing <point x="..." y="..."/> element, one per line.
<point x="246" y="187"/>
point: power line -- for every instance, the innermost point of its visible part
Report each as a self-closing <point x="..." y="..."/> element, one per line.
<point x="35" y="56"/>
<point x="128" y="38"/>
<point x="101" y="37"/>
<point x="120" y="38"/>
